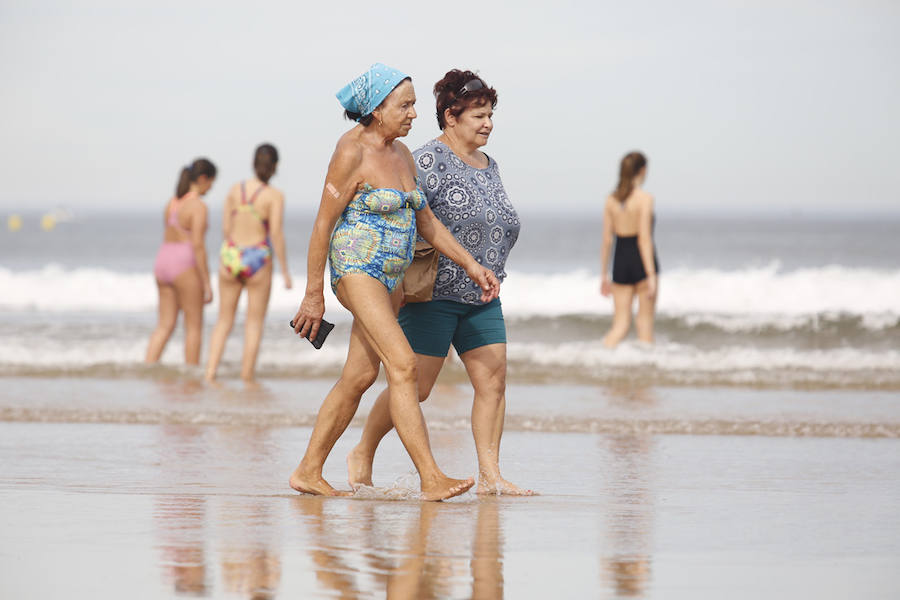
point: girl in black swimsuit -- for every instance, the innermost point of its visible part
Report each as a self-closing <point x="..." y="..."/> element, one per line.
<point x="635" y="266"/>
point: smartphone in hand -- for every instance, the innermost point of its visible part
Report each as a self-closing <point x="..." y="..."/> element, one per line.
<point x="324" y="329"/>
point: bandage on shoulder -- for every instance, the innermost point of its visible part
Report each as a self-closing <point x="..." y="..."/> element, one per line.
<point x="332" y="190"/>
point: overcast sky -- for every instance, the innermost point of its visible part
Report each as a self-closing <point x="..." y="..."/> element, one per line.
<point x="778" y="107"/>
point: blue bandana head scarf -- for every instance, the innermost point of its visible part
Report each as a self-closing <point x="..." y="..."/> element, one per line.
<point x="366" y="92"/>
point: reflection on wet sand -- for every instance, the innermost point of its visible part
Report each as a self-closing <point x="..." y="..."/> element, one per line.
<point x="243" y="529"/>
<point x="248" y="530"/>
<point x="627" y="560"/>
<point x="487" y="552"/>
<point x="332" y="571"/>
<point x="181" y="518"/>
<point x="409" y="550"/>
<point x="250" y="566"/>
<point x="415" y="577"/>
<point x="175" y="388"/>
<point x="180" y="521"/>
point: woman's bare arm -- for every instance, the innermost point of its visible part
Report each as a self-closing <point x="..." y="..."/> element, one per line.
<point x="645" y="242"/>
<point x="436" y="234"/>
<point x="199" y="224"/>
<point x="276" y="229"/>
<point x="340" y="186"/>
<point x="606" y="246"/>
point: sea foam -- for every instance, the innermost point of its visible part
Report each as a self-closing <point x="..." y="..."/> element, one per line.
<point x="763" y="294"/>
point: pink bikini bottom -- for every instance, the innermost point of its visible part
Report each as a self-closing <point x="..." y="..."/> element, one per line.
<point x="173" y="259"/>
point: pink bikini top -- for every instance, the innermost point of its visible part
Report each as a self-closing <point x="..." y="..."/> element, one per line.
<point x="174" y="205"/>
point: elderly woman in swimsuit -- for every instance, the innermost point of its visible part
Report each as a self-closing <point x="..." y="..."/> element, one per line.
<point x="464" y="189"/>
<point x="252" y="227"/>
<point x="182" y="276"/>
<point x="365" y="226"/>
<point x="628" y="217"/>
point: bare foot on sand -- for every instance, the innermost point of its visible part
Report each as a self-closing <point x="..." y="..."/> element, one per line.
<point x="359" y="469"/>
<point x="445" y="487"/>
<point x="308" y="484"/>
<point x="497" y="486"/>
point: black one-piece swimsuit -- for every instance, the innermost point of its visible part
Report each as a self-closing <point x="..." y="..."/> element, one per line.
<point x="628" y="268"/>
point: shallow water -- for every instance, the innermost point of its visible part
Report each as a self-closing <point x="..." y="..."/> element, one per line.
<point x="151" y="508"/>
<point x="765" y="302"/>
<point x="541" y="408"/>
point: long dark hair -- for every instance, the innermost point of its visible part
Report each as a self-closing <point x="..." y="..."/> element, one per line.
<point x="264" y="162"/>
<point x="630" y="167"/>
<point x="192" y="172"/>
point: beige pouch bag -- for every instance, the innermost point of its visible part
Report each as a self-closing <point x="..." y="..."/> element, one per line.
<point x="418" y="282"/>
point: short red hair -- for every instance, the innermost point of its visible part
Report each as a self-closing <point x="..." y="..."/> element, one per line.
<point x="448" y="93"/>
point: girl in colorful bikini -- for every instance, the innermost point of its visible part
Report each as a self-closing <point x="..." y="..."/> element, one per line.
<point x="252" y="227"/>
<point x="182" y="276"/>
<point x="370" y="210"/>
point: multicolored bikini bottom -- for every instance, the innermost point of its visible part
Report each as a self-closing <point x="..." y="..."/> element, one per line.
<point x="242" y="262"/>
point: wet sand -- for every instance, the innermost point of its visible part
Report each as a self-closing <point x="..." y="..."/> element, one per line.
<point x="149" y="489"/>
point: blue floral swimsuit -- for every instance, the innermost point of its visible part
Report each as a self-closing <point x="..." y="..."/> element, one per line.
<point x="376" y="235"/>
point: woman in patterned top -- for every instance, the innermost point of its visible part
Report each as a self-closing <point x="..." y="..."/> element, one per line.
<point x="369" y="212"/>
<point x="465" y="192"/>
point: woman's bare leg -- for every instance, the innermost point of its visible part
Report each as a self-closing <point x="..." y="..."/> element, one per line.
<point x="190" y="300"/>
<point x="486" y="367"/>
<point x="646" y="312"/>
<point x="229" y="295"/>
<point x="379" y="423"/>
<point x="623" y="295"/>
<point x="258" y="289"/>
<point x="365" y="297"/>
<point x="336" y="412"/>
<point x="168" y="317"/>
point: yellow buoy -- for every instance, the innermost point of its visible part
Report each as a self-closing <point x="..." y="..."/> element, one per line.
<point x="48" y="222"/>
<point x="14" y="223"/>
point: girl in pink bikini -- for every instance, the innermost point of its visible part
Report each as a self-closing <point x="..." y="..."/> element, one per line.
<point x="182" y="276"/>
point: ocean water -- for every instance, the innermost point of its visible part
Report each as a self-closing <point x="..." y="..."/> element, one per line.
<point x="758" y="435"/>
<point x="761" y="302"/>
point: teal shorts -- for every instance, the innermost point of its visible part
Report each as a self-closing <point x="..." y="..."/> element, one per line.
<point x="432" y="326"/>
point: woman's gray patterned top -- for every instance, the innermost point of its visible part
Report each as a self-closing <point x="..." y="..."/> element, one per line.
<point x="473" y="205"/>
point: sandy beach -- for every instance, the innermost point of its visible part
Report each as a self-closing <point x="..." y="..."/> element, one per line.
<point x="747" y="447"/>
<point x="154" y="488"/>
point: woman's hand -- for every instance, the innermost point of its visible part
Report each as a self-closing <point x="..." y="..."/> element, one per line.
<point x="288" y="282"/>
<point x="605" y="287"/>
<point x="309" y="315"/>
<point x="652" y="287"/>
<point x="207" y="293"/>
<point x="486" y="280"/>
